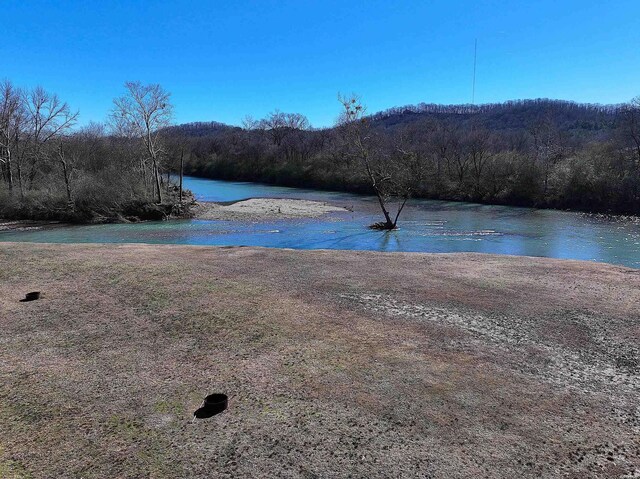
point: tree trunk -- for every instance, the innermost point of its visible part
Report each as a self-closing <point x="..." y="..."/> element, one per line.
<point x="143" y="171"/>
<point x="157" y="175"/>
<point x="387" y="217"/>
<point x="20" y="182"/>
<point x="9" y="172"/>
<point x="404" y="202"/>
<point x="388" y="224"/>
<point x="32" y="174"/>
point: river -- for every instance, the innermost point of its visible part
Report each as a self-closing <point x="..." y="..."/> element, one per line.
<point x="425" y="226"/>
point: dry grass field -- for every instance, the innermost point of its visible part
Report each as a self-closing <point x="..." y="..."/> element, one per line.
<point x="337" y="364"/>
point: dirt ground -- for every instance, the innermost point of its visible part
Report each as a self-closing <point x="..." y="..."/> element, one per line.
<point x="337" y="364"/>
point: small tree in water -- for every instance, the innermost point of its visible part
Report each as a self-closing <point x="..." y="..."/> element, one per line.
<point x="391" y="174"/>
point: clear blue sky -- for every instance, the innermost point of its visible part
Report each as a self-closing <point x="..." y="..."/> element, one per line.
<point x="223" y="60"/>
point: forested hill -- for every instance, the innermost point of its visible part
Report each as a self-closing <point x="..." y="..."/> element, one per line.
<point x="511" y="115"/>
<point x="544" y="153"/>
<point x="584" y="118"/>
<point x="197" y="129"/>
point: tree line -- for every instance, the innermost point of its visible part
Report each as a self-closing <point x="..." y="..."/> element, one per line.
<point x="539" y="153"/>
<point x="112" y="171"/>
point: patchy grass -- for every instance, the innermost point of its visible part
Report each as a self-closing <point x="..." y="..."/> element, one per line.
<point x="12" y="470"/>
<point x="337" y="364"/>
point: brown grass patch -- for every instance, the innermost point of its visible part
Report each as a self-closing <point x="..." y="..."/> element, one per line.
<point x="337" y="364"/>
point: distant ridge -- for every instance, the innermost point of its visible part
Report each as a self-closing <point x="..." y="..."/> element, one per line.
<point x="198" y="128"/>
<point x="508" y="115"/>
<point x="492" y="107"/>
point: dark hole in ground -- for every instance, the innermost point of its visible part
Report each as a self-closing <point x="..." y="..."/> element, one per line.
<point x="31" y="296"/>
<point x="213" y="404"/>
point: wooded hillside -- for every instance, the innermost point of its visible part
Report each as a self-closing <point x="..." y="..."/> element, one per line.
<point x="544" y="153"/>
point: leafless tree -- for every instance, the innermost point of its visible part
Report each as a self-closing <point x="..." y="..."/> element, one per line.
<point x="250" y="123"/>
<point x="82" y="149"/>
<point x="12" y="118"/>
<point x="47" y="119"/>
<point x="385" y="172"/>
<point x="278" y="125"/>
<point x="443" y="142"/>
<point x="548" y="148"/>
<point x="631" y="122"/>
<point x="457" y="158"/>
<point x="67" y="162"/>
<point x="144" y="111"/>
<point x="479" y="153"/>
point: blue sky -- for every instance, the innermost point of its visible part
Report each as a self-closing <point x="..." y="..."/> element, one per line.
<point x="224" y="60"/>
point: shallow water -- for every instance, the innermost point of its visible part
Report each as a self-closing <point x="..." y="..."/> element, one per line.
<point x="427" y="226"/>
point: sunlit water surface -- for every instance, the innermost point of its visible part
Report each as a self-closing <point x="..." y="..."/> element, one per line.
<point x="427" y="226"/>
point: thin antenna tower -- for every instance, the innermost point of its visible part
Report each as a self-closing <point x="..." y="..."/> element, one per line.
<point x="475" y="58"/>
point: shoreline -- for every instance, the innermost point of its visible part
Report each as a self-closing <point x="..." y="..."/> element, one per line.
<point x="365" y="191"/>
<point x="459" y="255"/>
<point x="132" y="212"/>
<point x="251" y="209"/>
<point x="27" y="225"/>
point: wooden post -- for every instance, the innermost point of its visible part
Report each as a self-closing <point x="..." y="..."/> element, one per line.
<point x="181" y="171"/>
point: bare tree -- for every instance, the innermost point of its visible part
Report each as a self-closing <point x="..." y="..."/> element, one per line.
<point x="47" y="118"/>
<point x="631" y="122"/>
<point x="144" y="111"/>
<point x="443" y="142"/>
<point x="249" y="123"/>
<point x="477" y="146"/>
<point x="78" y="149"/>
<point x="548" y="148"/>
<point x="278" y="125"/>
<point x="12" y="118"/>
<point x="456" y="157"/>
<point x="386" y="173"/>
<point x="67" y="161"/>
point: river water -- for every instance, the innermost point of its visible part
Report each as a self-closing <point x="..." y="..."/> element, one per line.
<point x="426" y="226"/>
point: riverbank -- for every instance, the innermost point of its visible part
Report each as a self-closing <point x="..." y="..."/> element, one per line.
<point x="25" y="225"/>
<point x="254" y="209"/>
<point x="337" y="363"/>
<point x="17" y="215"/>
<point x="363" y="188"/>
